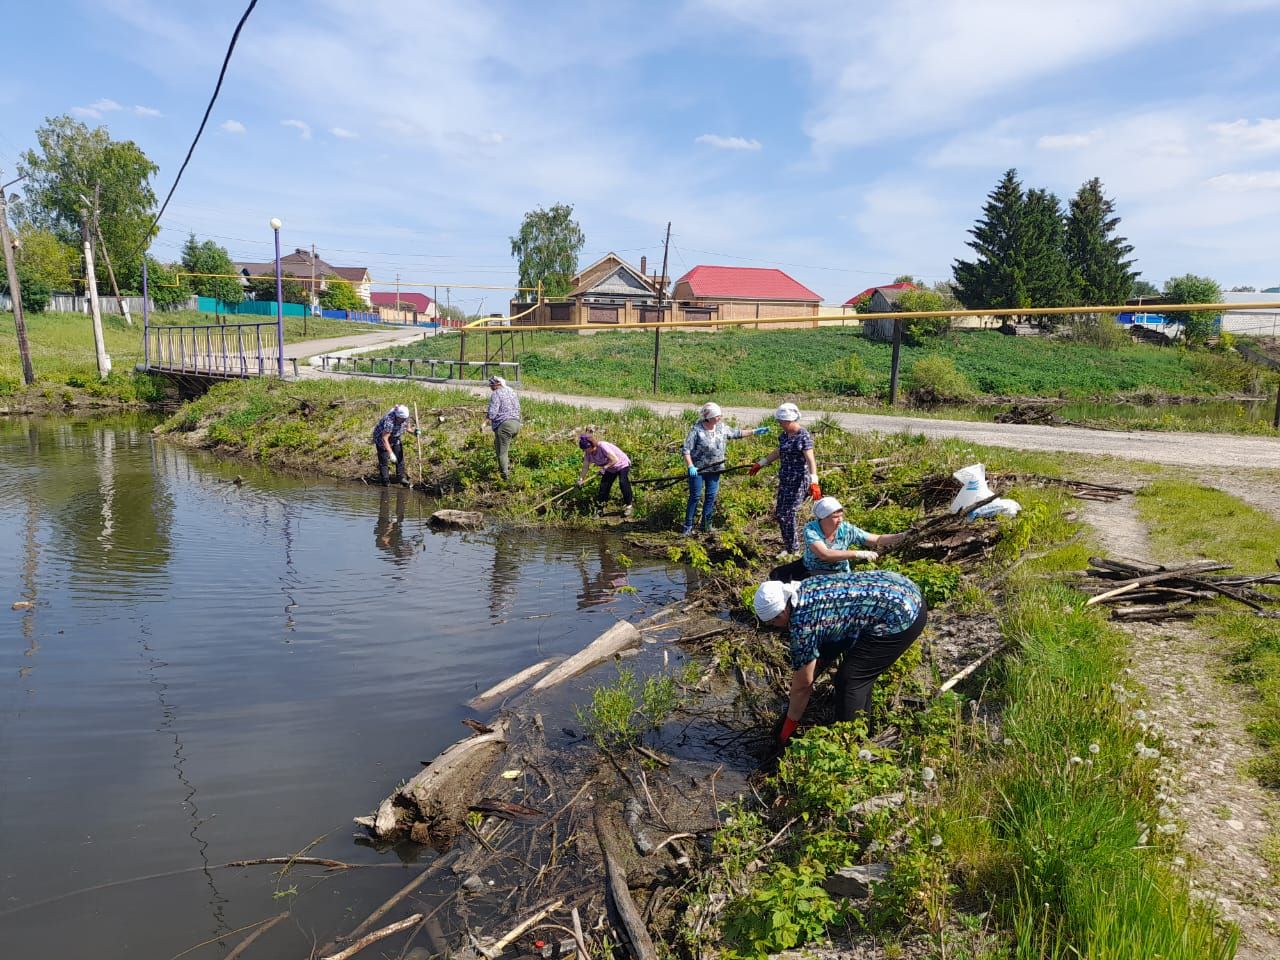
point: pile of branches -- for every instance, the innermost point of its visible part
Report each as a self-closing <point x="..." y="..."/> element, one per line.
<point x="951" y="537"/>
<point x="1029" y="414"/>
<point x="1136" y="590"/>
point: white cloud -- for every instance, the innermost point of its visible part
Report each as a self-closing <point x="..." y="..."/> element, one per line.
<point x="1066" y="141"/>
<point x="1245" y="182"/>
<point x="147" y="111"/>
<point x="86" y="113"/>
<point x="344" y="134"/>
<point x="96" y="109"/>
<point x="1264" y="135"/>
<point x="232" y="126"/>
<point x="727" y="143"/>
<point x="304" y="129"/>
<point x="105" y="106"/>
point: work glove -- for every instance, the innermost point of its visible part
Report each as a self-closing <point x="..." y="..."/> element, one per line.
<point x="760" y="431"/>
<point x="815" y="491"/>
<point x="693" y="471"/>
<point x="580" y="481"/>
<point x="756" y="468"/>
<point x="784" y="728"/>
<point x="391" y="458"/>
<point x="866" y="556"/>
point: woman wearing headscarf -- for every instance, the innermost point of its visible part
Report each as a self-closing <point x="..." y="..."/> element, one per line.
<point x="704" y="457"/>
<point x="387" y="443"/>
<point x="863" y="620"/>
<point x="797" y="475"/>
<point x="831" y="542"/>
<point x="613" y="465"/>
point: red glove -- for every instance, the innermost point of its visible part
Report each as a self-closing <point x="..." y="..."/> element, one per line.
<point x="755" y="468"/>
<point x="787" y="729"/>
<point x="815" y="491"/>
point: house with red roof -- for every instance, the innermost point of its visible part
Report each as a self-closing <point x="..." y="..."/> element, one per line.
<point x="743" y="293"/>
<point x="303" y="265"/>
<point x="418" y="303"/>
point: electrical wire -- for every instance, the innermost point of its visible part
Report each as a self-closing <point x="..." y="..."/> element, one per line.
<point x="226" y="61"/>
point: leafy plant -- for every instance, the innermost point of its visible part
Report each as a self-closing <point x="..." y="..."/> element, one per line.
<point x="622" y="711"/>
<point x="935" y="379"/>
<point x="785" y="907"/>
<point x="829" y="769"/>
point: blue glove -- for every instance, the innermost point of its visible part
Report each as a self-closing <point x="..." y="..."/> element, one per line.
<point x="760" y="431"/>
<point x="693" y="471"/>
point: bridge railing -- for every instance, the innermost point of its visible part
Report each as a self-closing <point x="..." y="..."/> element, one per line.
<point x="423" y="368"/>
<point x="219" y="350"/>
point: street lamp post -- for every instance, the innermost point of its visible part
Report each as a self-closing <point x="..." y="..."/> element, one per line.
<point x="275" y="227"/>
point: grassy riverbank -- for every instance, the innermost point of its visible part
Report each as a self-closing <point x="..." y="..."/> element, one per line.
<point x="1029" y="822"/>
<point x="62" y="352"/>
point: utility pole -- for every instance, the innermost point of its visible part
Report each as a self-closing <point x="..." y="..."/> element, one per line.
<point x="91" y="286"/>
<point x="397" y="294"/>
<point x="662" y="288"/>
<point x="435" y="300"/>
<point x="312" y="305"/>
<point x="121" y="302"/>
<point x="15" y="292"/>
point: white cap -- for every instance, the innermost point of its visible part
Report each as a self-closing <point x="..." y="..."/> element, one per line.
<point x="786" y="413"/>
<point x="826" y="507"/>
<point x="498" y="380"/>
<point x="709" y="410"/>
<point x="400" y="411"/>
<point x="771" y="598"/>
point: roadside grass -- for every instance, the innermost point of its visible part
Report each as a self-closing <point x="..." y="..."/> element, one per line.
<point x="62" y="351"/>
<point x="749" y="366"/>
<point x="1190" y="521"/>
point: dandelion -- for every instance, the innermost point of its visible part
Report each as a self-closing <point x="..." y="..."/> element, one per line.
<point x="1008" y="741"/>
<point x="935" y="841"/>
<point x="1140" y="714"/>
<point x="1179" y="861"/>
<point x="1076" y="761"/>
<point x="926" y="774"/>
<point x="1094" y="749"/>
<point x="1167" y="828"/>
<point x="864" y="754"/>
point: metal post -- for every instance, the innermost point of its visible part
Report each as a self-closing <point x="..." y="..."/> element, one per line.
<point x="893" y="364"/>
<point x="1275" y="421"/>
<point x="275" y="228"/>
<point x="657" y="331"/>
<point x="146" y="316"/>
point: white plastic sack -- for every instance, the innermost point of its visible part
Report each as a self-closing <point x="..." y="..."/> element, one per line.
<point x="1002" y="507"/>
<point x="973" y="486"/>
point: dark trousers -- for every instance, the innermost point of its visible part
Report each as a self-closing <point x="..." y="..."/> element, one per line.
<point x="792" y="572"/>
<point x="624" y="484"/>
<point x="865" y="661"/>
<point x="384" y="463"/>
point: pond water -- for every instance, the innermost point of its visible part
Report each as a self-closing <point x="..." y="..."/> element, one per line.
<point x="212" y="671"/>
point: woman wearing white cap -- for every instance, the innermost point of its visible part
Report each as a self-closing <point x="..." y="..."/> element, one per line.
<point x="798" y="474"/>
<point x="831" y="542"/>
<point x="865" y="620"/>
<point x="387" y="443"/>
<point x="503" y="415"/>
<point x="704" y="456"/>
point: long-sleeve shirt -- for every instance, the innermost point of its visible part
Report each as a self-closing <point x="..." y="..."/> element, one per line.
<point x="706" y="448"/>
<point x="504" y="405"/>
<point x="831" y="613"/>
<point x="603" y="452"/>
<point x="392" y="426"/>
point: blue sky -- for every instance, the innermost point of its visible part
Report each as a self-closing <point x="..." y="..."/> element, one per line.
<point x="845" y="142"/>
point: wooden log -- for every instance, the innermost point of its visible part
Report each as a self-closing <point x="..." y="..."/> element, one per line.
<point x="459" y="519"/>
<point x="374" y="937"/>
<point x="426" y="795"/>
<point x="621" y="636"/>
<point x="514" y="682"/>
<point x="619" y="897"/>
<point x="1173" y="574"/>
<point x="972" y="668"/>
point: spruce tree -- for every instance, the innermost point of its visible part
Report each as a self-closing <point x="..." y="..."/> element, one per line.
<point x="998" y="277"/>
<point x="1098" y="261"/>
<point x="1048" y="279"/>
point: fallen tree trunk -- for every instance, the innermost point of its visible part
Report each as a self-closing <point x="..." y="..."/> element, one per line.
<point x="514" y="682"/>
<point x="438" y="791"/>
<point x="619" y="896"/>
<point x="621" y="636"/>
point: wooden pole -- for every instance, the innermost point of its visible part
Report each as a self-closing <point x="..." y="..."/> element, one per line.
<point x="893" y="365"/>
<point x="1275" y="421"/>
<point x="121" y="302"/>
<point x="91" y="286"/>
<point x="15" y="295"/>
<point x="662" y="287"/>
<point x="417" y="436"/>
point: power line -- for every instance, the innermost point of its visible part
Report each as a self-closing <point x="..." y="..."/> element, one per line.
<point x="203" y="120"/>
<point x="807" y="266"/>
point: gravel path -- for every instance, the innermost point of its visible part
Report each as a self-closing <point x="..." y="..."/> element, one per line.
<point x="1223" y="810"/>
<point x="378" y="338"/>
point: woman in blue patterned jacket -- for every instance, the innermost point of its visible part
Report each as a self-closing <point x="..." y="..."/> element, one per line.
<point x="864" y="620"/>
<point x="704" y="458"/>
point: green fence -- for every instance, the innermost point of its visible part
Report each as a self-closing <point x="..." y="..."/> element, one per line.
<point x="255" y="308"/>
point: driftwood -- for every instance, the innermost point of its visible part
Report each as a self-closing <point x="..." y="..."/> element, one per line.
<point x="619" y="897"/>
<point x="972" y="668"/>
<point x="247" y="942"/>
<point x="495" y="949"/>
<point x="514" y="682"/>
<point x="457" y="519"/>
<point x="367" y="939"/>
<point x="621" y="636"/>
<point x="427" y="796"/>
<point x="1138" y="590"/>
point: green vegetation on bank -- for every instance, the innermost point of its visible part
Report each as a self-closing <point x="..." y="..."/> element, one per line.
<point x="62" y="350"/>
<point x="1030" y="823"/>
<point x="750" y="366"/>
<point x="1190" y="522"/>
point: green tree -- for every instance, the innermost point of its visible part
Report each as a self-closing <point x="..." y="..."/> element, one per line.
<point x="340" y="295"/>
<point x="1048" y="277"/>
<point x="1244" y="289"/>
<point x="1144" y="288"/>
<point x="71" y="163"/>
<point x="1099" y="265"/>
<point x="924" y="328"/>
<point x="947" y="291"/>
<point x="1198" y="325"/>
<point x="292" y="290"/>
<point x="203" y="259"/>
<point x="36" y="294"/>
<point x="546" y="249"/>
<point x="167" y="289"/>
<point x="907" y="278"/>
<point x="45" y="258"/>
<point x="998" y="276"/>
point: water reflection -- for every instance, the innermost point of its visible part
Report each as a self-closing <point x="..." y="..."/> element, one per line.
<point x="609" y="577"/>
<point x="388" y="532"/>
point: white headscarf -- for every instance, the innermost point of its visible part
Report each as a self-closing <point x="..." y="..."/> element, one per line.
<point x="772" y="598"/>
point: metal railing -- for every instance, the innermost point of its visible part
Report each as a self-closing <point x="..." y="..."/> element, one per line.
<point x="216" y="350"/>
<point x="423" y="368"/>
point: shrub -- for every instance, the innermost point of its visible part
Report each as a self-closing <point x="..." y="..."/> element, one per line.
<point x="1098" y="330"/>
<point x="923" y="328"/>
<point x="785" y="908"/>
<point x="849" y="375"/>
<point x="935" y="379"/>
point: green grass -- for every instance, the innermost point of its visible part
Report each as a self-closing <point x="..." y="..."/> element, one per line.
<point x="62" y="350"/>
<point x="743" y="366"/>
